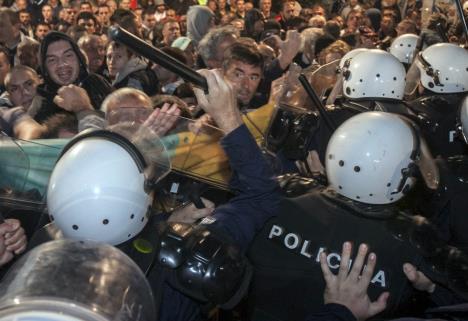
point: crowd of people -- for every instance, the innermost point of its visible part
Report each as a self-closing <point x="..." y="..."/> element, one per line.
<point x="400" y="79"/>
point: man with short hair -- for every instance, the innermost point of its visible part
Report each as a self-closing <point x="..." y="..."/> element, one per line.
<point x="10" y="32"/>
<point x="148" y="23"/>
<point x="103" y="15"/>
<point x="42" y="29"/>
<point x="243" y="68"/>
<point x="62" y="64"/>
<point x="21" y="84"/>
<point x="25" y="19"/>
<point x="170" y="32"/>
<point x="86" y="6"/>
<point x="124" y="4"/>
<point x="88" y="21"/>
<point x="47" y="15"/>
<point x="239" y="7"/>
<point x="265" y="8"/>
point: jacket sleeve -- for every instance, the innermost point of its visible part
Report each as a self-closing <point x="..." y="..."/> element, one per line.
<point x="258" y="193"/>
<point x="332" y="312"/>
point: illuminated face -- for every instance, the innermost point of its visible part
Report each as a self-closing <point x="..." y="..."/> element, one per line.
<point x="22" y="88"/>
<point x="149" y="21"/>
<point x="117" y="58"/>
<point x="266" y="6"/>
<point x="170" y="32"/>
<point x="245" y="79"/>
<point x="88" y="24"/>
<point x="96" y="53"/>
<point x="124" y="4"/>
<point x="103" y="15"/>
<point x="47" y="12"/>
<point x="41" y="31"/>
<point x="25" y="18"/>
<point x="62" y="63"/>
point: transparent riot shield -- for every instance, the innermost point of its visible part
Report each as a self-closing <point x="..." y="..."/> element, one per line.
<point x="25" y="168"/>
<point x="67" y="280"/>
<point x="295" y="116"/>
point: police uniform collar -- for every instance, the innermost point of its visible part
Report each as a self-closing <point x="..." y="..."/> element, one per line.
<point x="362" y="209"/>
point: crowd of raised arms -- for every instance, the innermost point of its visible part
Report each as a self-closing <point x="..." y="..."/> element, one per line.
<point x="376" y="168"/>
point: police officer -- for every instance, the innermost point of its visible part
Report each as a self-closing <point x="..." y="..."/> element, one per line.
<point x="102" y="189"/>
<point x="442" y="84"/>
<point x="371" y="161"/>
<point x="371" y="80"/>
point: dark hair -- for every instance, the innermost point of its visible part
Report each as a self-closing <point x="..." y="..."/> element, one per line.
<point x="243" y="52"/>
<point x="85" y="15"/>
<point x="148" y="11"/>
<point x="56" y="122"/>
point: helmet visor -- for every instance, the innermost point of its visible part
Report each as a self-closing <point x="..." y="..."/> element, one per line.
<point x="427" y="166"/>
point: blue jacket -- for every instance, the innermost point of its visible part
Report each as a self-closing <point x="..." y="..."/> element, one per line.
<point x="241" y="218"/>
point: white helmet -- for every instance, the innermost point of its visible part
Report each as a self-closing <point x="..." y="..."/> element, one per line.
<point x="374" y="74"/>
<point x="403" y="47"/>
<point x="370" y="158"/>
<point x="99" y="188"/>
<point x="444" y="68"/>
<point x="464" y="119"/>
<point x="350" y="55"/>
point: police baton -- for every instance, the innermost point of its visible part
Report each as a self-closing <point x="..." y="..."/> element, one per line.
<point x="316" y="100"/>
<point x="157" y="56"/>
<point x="462" y="18"/>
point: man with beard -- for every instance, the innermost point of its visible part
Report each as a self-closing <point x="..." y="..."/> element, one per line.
<point x="62" y="63"/>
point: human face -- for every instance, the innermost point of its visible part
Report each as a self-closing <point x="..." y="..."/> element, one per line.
<point x="288" y="10"/>
<point x="4" y="67"/>
<point x="117" y="58"/>
<point x="41" y="32"/>
<point x="21" y="4"/>
<point x="85" y="8"/>
<point x="8" y="31"/>
<point x="161" y="8"/>
<point x="212" y="5"/>
<point x="266" y="6"/>
<point x="125" y="4"/>
<point x="62" y="63"/>
<point x="22" y="88"/>
<point x="171" y="32"/>
<point x="149" y="21"/>
<point x="240" y="6"/>
<point x="96" y="53"/>
<point x="245" y="79"/>
<point x="171" y="14"/>
<point x="112" y="6"/>
<point x="88" y="24"/>
<point x="318" y="11"/>
<point x="47" y="12"/>
<point x="103" y="15"/>
<point x="25" y="18"/>
<point x="353" y="21"/>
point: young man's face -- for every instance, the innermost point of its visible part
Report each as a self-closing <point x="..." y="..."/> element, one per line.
<point x="125" y="4"/>
<point x="22" y="88"/>
<point x="117" y="58"/>
<point x="62" y="63"/>
<point x="244" y="78"/>
<point x="47" y="12"/>
<point x="88" y="24"/>
<point x="171" y="32"/>
<point x="149" y="21"/>
<point x="103" y="15"/>
<point x="25" y="18"/>
<point x="266" y="5"/>
<point x="41" y="31"/>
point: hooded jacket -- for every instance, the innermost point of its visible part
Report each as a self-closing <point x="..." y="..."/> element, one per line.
<point x="198" y="22"/>
<point x="96" y="86"/>
<point x="136" y="74"/>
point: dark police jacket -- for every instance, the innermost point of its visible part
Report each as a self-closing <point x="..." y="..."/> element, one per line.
<point x="288" y="282"/>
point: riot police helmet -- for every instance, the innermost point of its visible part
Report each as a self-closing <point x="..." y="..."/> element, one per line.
<point x="101" y="186"/>
<point x="374" y="158"/>
<point x="443" y="68"/>
<point x="403" y="47"/>
<point x="373" y="74"/>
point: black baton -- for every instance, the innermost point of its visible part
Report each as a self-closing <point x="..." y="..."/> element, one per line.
<point x="156" y="55"/>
